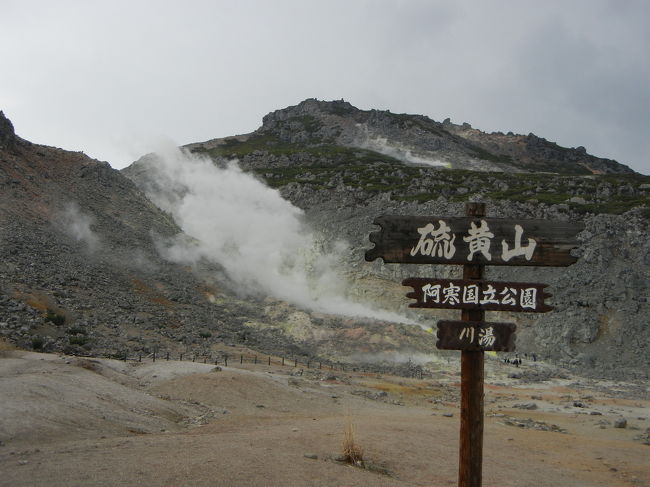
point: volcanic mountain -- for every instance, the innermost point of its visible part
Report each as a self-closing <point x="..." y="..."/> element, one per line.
<point x="90" y="257"/>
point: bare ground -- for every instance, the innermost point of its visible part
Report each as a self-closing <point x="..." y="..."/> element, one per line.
<point x="68" y="421"/>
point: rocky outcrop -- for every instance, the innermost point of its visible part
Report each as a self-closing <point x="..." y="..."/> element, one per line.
<point x="7" y="134"/>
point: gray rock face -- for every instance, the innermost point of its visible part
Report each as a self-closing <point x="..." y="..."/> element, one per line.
<point x="7" y="134"/>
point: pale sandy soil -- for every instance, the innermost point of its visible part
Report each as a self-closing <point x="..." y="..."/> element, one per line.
<point x="66" y="421"/>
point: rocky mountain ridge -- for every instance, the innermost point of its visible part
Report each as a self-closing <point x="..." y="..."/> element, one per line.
<point x="321" y="132"/>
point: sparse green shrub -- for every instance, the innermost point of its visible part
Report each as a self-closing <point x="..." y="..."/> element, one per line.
<point x="37" y="343"/>
<point x="55" y="317"/>
<point x="205" y="334"/>
<point x="78" y="340"/>
<point x="76" y="330"/>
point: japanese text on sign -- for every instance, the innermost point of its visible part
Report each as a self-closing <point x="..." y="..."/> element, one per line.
<point x="478" y="294"/>
<point x="471" y="294"/>
<point x="439" y="242"/>
<point x="476" y="336"/>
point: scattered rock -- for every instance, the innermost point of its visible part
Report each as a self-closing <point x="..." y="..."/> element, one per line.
<point x="311" y="456"/>
<point x="620" y="423"/>
<point x="526" y="405"/>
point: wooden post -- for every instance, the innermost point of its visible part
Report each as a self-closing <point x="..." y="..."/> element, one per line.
<point x="241" y="359"/>
<point x="295" y="363"/>
<point x="269" y="360"/>
<point x="167" y="356"/>
<point x="225" y="360"/>
<point x="255" y="360"/>
<point x="181" y="359"/>
<point x="154" y="355"/>
<point x="470" y="463"/>
<point x="282" y="360"/>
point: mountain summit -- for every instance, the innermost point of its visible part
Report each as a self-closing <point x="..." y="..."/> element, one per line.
<point x="314" y="132"/>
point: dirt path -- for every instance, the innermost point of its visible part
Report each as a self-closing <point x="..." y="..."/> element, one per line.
<point x="66" y="422"/>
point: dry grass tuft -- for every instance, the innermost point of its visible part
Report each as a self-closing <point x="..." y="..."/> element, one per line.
<point x="351" y="452"/>
<point x="6" y="347"/>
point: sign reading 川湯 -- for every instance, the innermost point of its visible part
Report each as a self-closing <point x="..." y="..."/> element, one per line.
<point x="476" y="336"/>
<point x="472" y="240"/>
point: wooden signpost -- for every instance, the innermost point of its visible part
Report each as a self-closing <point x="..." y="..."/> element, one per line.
<point x="474" y="241"/>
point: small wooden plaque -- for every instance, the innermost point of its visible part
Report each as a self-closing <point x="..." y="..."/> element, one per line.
<point x="476" y="336"/>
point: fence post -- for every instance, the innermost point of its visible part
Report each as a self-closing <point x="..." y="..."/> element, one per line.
<point x="181" y="359"/>
<point x="225" y="359"/>
<point x="320" y="365"/>
<point x="154" y="355"/>
<point x="295" y="362"/>
<point x="308" y="362"/>
<point x="255" y="359"/>
<point x="241" y="359"/>
<point x="167" y="356"/>
<point x="125" y="354"/>
<point x="139" y="357"/>
<point x="193" y="358"/>
<point x="269" y="360"/>
<point x="282" y="360"/>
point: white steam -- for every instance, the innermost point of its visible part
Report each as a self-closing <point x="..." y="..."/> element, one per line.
<point x="258" y="237"/>
<point x="77" y="224"/>
<point x="395" y="150"/>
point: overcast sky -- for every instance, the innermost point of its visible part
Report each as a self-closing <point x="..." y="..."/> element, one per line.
<point x="111" y="78"/>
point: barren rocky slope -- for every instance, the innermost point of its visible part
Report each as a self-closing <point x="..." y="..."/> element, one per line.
<point x="81" y="267"/>
<point x="81" y="272"/>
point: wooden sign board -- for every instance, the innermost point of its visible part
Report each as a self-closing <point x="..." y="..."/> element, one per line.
<point x="473" y="240"/>
<point x="476" y="336"/>
<point x="477" y="294"/>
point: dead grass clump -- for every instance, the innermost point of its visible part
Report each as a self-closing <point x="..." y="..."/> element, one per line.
<point x="351" y="451"/>
<point x="88" y="364"/>
<point x="6" y="347"/>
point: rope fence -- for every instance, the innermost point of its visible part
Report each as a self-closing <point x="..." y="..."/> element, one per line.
<point x="226" y="359"/>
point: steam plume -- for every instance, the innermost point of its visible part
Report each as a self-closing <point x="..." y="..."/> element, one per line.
<point x="77" y="225"/>
<point x="259" y="238"/>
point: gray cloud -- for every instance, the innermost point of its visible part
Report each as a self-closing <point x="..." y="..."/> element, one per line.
<point x="112" y="78"/>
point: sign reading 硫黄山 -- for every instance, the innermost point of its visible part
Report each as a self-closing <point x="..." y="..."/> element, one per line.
<point x="473" y="240"/>
<point x="476" y="336"/>
<point x="477" y="294"/>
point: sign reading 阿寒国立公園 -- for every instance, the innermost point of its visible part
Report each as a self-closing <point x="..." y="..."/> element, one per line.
<point x="473" y="240"/>
<point x="477" y="295"/>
